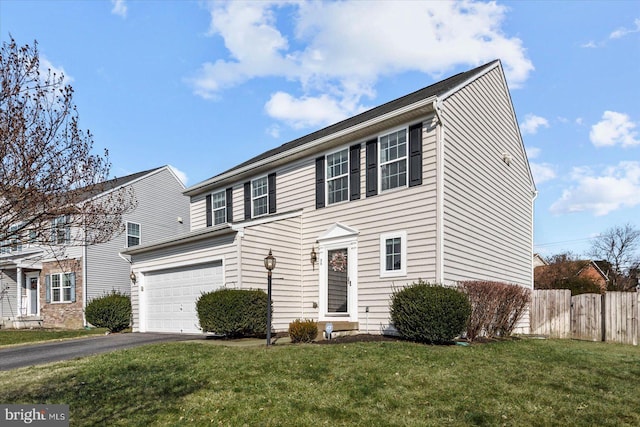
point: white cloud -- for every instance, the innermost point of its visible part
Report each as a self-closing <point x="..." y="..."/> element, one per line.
<point x="532" y="152"/>
<point x="336" y="51"/>
<point x="614" y="188"/>
<point x="181" y="175"/>
<point x="590" y="45"/>
<point x="46" y="66"/>
<point x="119" y="8"/>
<point x="542" y="172"/>
<point x="622" y="31"/>
<point x="614" y="128"/>
<point x="305" y="111"/>
<point x="532" y="123"/>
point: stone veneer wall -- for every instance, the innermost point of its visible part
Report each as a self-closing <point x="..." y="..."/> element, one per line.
<point x="62" y="315"/>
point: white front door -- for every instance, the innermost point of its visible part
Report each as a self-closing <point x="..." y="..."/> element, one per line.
<point x="31" y="288"/>
<point x="339" y="280"/>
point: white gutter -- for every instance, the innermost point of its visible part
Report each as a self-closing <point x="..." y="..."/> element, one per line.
<point x="310" y="145"/>
<point x="533" y="199"/>
<point x="440" y="138"/>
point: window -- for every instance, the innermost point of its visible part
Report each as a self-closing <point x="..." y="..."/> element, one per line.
<point x="133" y="234"/>
<point x="338" y="176"/>
<point x="393" y="160"/>
<point x="60" y="231"/>
<point x="393" y="254"/>
<point x="62" y="287"/>
<point x="219" y="207"/>
<point x="13" y="242"/>
<point x="259" y="196"/>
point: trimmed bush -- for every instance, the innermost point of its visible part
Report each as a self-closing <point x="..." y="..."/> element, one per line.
<point x="303" y="330"/>
<point x="428" y="313"/>
<point x="495" y="307"/>
<point x="233" y="312"/>
<point x="111" y="311"/>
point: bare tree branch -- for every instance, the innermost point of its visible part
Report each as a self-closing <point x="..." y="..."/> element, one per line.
<point x="50" y="180"/>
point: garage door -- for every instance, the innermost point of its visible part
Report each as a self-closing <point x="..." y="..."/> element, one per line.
<point x="170" y="296"/>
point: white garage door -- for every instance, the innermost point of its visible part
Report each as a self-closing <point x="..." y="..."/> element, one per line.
<point x="170" y="296"/>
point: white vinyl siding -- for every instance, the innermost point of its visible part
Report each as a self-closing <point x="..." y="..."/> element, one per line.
<point x="487" y="204"/>
<point x="337" y="180"/>
<point x="393" y="160"/>
<point x="160" y="203"/>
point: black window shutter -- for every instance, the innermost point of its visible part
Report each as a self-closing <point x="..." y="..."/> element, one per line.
<point x="247" y="200"/>
<point x="209" y="211"/>
<point x="372" y="167"/>
<point x="354" y="172"/>
<point x="320" y="182"/>
<point x="415" y="155"/>
<point x="229" y="201"/>
<point x="271" y="182"/>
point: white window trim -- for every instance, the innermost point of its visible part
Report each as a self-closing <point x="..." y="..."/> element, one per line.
<point x="327" y="179"/>
<point x="406" y="159"/>
<point x="139" y="236"/>
<point x="403" y="255"/>
<point x="62" y="288"/>
<point x="223" y="208"/>
<point x="266" y="196"/>
<point x="61" y="222"/>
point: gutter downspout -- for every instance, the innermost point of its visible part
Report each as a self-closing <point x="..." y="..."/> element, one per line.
<point x="440" y="138"/>
<point x="533" y="199"/>
<point x="84" y="278"/>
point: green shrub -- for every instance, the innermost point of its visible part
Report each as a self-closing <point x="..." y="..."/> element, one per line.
<point x="111" y="311"/>
<point x="429" y="313"/>
<point x="233" y="312"/>
<point x="303" y="330"/>
<point x="495" y="307"/>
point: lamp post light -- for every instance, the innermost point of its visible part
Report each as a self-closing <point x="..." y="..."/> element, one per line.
<point x="269" y="264"/>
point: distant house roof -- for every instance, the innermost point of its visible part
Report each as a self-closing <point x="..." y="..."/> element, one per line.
<point x="114" y="183"/>
<point x="437" y="89"/>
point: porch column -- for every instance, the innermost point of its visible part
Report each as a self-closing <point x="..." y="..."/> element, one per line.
<point x="19" y="291"/>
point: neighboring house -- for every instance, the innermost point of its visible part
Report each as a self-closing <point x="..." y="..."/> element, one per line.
<point x="50" y="287"/>
<point x="434" y="185"/>
<point x="538" y="261"/>
<point x="584" y="269"/>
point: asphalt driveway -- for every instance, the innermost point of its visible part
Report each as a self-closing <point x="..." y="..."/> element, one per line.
<point x="37" y="354"/>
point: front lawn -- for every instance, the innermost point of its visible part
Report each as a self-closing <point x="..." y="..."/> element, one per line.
<point x="23" y="336"/>
<point x="513" y="383"/>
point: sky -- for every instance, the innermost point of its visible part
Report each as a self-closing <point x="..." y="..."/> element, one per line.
<point x="203" y="86"/>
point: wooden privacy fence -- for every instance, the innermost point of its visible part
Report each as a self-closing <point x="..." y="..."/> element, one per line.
<point x="594" y="317"/>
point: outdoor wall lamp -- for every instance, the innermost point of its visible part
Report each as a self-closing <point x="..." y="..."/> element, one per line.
<point x="314" y="257"/>
<point x="133" y="277"/>
<point x="269" y="264"/>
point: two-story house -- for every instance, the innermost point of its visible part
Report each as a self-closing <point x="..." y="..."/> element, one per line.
<point x="434" y="185"/>
<point x="50" y="286"/>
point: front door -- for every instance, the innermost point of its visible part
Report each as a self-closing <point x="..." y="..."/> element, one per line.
<point x="338" y="281"/>
<point x="30" y="295"/>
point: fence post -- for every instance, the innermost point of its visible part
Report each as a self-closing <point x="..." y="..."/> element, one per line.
<point x="603" y="314"/>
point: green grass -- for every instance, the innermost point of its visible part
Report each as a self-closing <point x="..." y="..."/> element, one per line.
<point x="23" y="336"/>
<point x="512" y="383"/>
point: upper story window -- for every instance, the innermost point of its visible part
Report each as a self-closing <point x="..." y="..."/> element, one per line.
<point x="338" y="176"/>
<point x="219" y="207"/>
<point x="13" y="242"/>
<point x="60" y="230"/>
<point x="133" y="234"/>
<point x="259" y="196"/>
<point x="393" y="160"/>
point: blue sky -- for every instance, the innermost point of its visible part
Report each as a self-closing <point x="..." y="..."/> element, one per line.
<point x="203" y="86"/>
